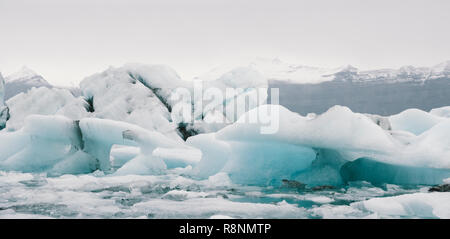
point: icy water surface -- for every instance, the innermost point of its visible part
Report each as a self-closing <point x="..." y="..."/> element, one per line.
<point x="176" y="196"/>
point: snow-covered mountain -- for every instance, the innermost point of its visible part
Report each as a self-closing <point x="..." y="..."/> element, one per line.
<point x="278" y="70"/>
<point x="306" y="89"/>
<point x="22" y="81"/>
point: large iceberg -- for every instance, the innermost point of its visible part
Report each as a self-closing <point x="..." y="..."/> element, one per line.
<point x="126" y="94"/>
<point x="319" y="150"/>
<point x="154" y="96"/>
<point x="45" y="101"/>
<point x="58" y="145"/>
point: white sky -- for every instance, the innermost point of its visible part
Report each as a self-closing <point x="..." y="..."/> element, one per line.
<point x="66" y="41"/>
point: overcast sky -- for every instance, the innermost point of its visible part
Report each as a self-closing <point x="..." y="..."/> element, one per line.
<point x="67" y="40"/>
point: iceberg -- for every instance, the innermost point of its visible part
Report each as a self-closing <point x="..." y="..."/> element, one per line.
<point x="4" y="110"/>
<point x="332" y="148"/>
<point x="220" y="101"/>
<point x="125" y="94"/>
<point x="57" y="144"/>
<point x="44" y="101"/>
<point x="416" y="205"/>
<point x="414" y="121"/>
<point x="45" y="144"/>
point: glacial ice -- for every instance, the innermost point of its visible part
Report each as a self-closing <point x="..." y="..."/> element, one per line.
<point x="119" y="94"/>
<point x="378" y="173"/>
<point x="4" y="110"/>
<point x="321" y="149"/>
<point x="414" y="121"/>
<point x="416" y="205"/>
<point x="212" y="114"/>
<point x="334" y="148"/>
<point x="123" y="123"/>
<point x="45" y="142"/>
<point x="152" y="96"/>
<point x="44" y="101"/>
<point x="57" y="145"/>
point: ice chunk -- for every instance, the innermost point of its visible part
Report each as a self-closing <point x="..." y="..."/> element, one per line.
<point x="44" y="101"/>
<point x="122" y="154"/>
<point x="339" y="128"/>
<point x="178" y="157"/>
<point x="219" y="180"/>
<point x="161" y="79"/>
<point x="441" y="112"/>
<point x="266" y="163"/>
<point x="414" y="120"/>
<point x="57" y="144"/>
<point x="207" y="207"/>
<point x="421" y="205"/>
<point x="100" y="135"/>
<point x="76" y="163"/>
<point x="42" y="143"/>
<point x="250" y="89"/>
<point x="142" y="165"/>
<point x="215" y="154"/>
<point x="134" y="94"/>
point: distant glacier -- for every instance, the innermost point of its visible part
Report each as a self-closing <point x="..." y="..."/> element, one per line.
<point x="374" y="97"/>
<point x="305" y="89"/>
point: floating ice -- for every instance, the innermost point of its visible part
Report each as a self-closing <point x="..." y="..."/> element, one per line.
<point x="57" y="144"/>
<point x="417" y="205"/>
<point x="45" y="143"/>
<point x="313" y="150"/>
